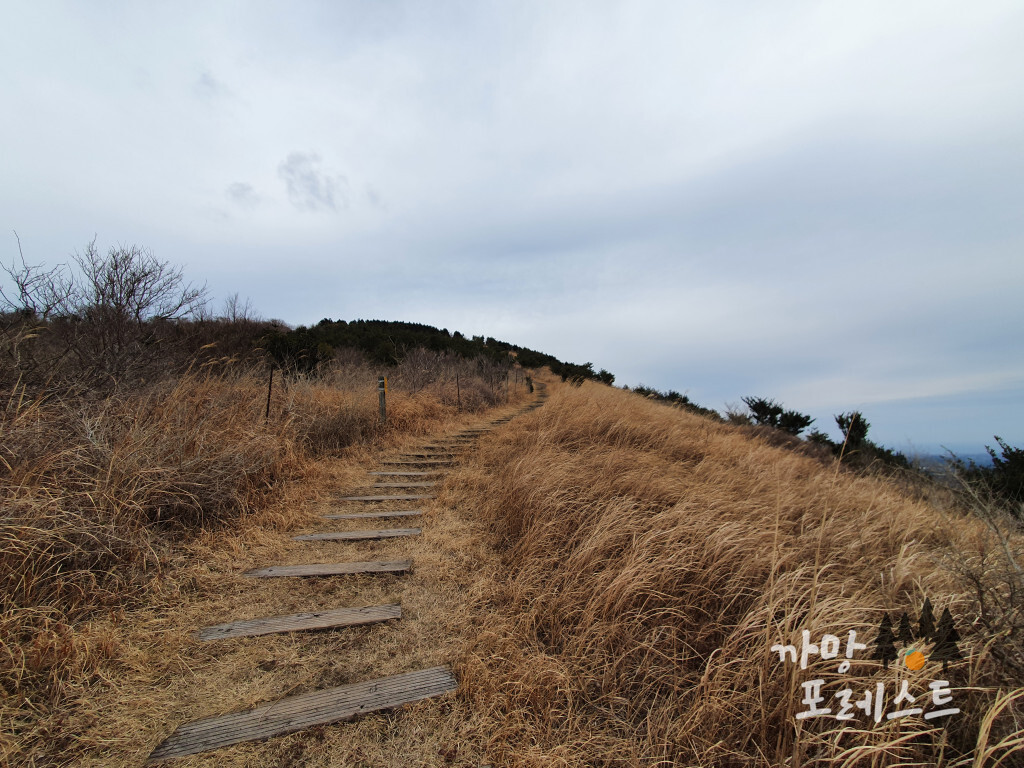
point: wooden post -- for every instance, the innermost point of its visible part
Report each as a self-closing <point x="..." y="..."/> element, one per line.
<point x="382" y="389"/>
<point x="270" y="388"/>
<point x="458" y="392"/>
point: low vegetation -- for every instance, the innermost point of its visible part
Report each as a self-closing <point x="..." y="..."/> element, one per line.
<point x="652" y="558"/>
<point x="134" y="423"/>
<point x="388" y="342"/>
<point x="643" y="560"/>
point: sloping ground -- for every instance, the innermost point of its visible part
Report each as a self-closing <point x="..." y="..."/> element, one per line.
<point x="650" y="559"/>
<point x="131" y="673"/>
<point x="181" y="679"/>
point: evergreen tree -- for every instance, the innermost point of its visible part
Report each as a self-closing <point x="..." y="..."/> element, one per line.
<point x="926" y="627"/>
<point x="905" y="633"/>
<point x="764" y="411"/>
<point x="854" y="428"/>
<point x="946" y="636"/>
<point x="885" y="648"/>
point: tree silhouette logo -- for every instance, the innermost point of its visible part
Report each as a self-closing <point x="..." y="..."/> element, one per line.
<point x="944" y="638"/>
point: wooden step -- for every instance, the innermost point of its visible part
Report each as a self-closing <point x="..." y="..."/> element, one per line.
<point x="361" y="515"/>
<point x="387" y="533"/>
<point x="406" y="497"/>
<point x="339" y="617"/>
<point x="422" y="463"/>
<point x="407" y="474"/>
<point x="294" y="713"/>
<point x="331" y="569"/>
<point x="403" y="485"/>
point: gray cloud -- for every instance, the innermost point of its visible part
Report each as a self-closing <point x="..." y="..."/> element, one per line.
<point x="208" y="87"/>
<point x="243" y="195"/>
<point x="309" y="188"/>
<point x="818" y="205"/>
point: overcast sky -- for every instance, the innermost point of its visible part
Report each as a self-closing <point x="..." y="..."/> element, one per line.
<point x="819" y="202"/>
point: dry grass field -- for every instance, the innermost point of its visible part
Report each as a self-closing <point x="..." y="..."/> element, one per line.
<point x="126" y="525"/>
<point x="605" y="575"/>
<point x="650" y="558"/>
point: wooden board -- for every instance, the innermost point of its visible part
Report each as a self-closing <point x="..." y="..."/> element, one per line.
<point x="332" y="569"/>
<point x="406" y="474"/>
<point x="422" y="463"/>
<point x="406" y="484"/>
<point x="433" y="455"/>
<point x="387" y="533"/>
<point x="339" y="617"/>
<point x="406" y="497"/>
<point x="294" y="713"/>
<point x="360" y="515"/>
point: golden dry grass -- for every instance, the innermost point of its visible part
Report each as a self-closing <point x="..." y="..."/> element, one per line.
<point x="651" y="559"/>
<point x="125" y="522"/>
<point x="605" y="575"/>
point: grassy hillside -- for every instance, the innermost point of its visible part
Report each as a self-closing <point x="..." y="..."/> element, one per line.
<point x="606" y="575"/>
<point x="650" y="559"/>
<point x="104" y="498"/>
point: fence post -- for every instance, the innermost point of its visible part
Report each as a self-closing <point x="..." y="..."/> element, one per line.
<point x="382" y="389"/>
<point x="270" y="388"/>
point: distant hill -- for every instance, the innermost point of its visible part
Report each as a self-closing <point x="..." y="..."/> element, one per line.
<point x="385" y="342"/>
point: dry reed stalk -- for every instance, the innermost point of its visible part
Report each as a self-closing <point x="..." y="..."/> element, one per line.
<point x="107" y="503"/>
<point x="653" y="557"/>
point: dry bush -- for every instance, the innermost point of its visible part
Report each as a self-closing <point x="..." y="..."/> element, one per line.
<point x="100" y="496"/>
<point x="653" y="558"/>
<point x="93" y="495"/>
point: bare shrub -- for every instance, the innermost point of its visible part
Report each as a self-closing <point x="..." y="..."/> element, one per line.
<point x="108" y="320"/>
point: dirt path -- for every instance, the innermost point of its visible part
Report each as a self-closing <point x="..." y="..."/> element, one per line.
<point x="164" y="676"/>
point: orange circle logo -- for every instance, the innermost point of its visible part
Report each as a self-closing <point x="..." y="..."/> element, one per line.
<point x="914" y="660"/>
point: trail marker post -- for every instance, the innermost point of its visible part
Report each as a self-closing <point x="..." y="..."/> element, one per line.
<point x="382" y="390"/>
<point x="270" y="389"/>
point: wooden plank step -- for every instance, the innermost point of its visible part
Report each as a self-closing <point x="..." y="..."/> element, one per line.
<point x="437" y="455"/>
<point x="403" y="485"/>
<point x="361" y="515"/>
<point x="407" y="474"/>
<point x="386" y="533"/>
<point x="405" y="497"/>
<point x="339" y="617"/>
<point x="294" y="713"/>
<point x="421" y="463"/>
<point x="418" y="463"/>
<point x="331" y="569"/>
